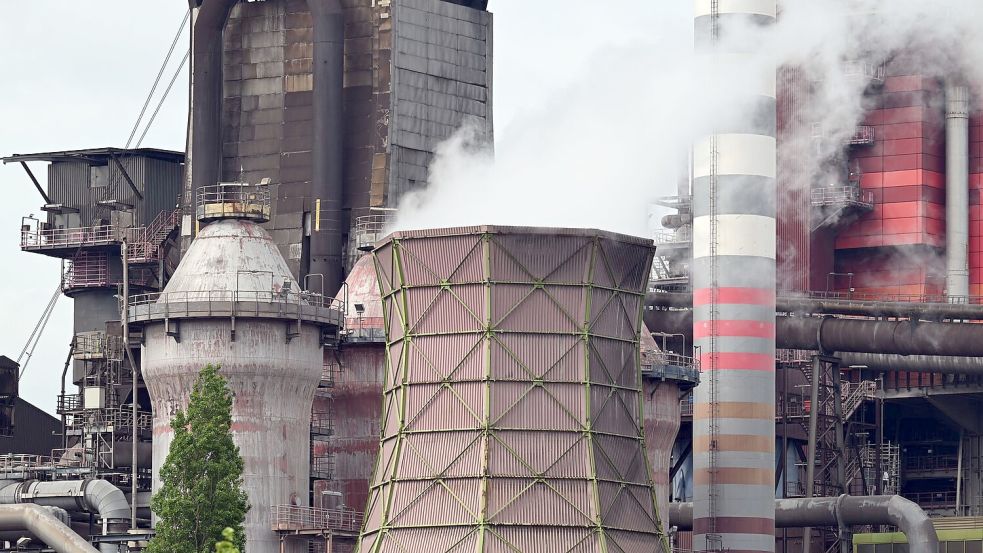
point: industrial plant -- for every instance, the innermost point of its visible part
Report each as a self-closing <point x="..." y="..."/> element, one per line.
<point x="791" y="362"/>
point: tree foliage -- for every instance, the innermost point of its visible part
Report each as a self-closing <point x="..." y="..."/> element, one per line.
<point x="201" y="480"/>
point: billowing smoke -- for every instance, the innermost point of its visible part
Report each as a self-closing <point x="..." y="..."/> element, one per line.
<point x="601" y="150"/>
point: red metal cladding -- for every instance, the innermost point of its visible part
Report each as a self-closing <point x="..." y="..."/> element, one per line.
<point x="512" y="412"/>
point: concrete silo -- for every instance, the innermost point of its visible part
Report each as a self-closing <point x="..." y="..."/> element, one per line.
<point x="512" y="411"/>
<point x="232" y="302"/>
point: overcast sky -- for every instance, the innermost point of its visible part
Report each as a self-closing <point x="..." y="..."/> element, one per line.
<point x="75" y="75"/>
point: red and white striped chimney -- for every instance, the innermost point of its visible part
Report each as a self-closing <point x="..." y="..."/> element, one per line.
<point x="734" y="291"/>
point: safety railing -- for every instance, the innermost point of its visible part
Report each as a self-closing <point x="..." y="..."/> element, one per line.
<point x="144" y="242"/>
<point x="321" y="424"/>
<point x="233" y="200"/>
<point x="369" y="229"/>
<point x="893" y="298"/>
<point x="872" y="72"/>
<point x="863" y="136"/>
<point x="665" y="237"/>
<point x="293" y="518"/>
<point x="68" y="403"/>
<point x="842" y="195"/>
<point x="44" y="237"/>
<point x="272" y="296"/>
<point x="931" y="463"/>
<point x="87" y="269"/>
<point x="322" y="466"/>
<point x="671" y="366"/>
<point x="279" y="303"/>
<point x="933" y="500"/>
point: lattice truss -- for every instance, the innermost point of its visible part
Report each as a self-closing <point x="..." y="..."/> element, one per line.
<point x="512" y="415"/>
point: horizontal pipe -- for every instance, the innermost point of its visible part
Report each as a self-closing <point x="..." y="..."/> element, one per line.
<point x="835" y="306"/>
<point x="851" y="335"/>
<point x="37" y="521"/>
<point x="946" y="364"/>
<point x="841" y="511"/>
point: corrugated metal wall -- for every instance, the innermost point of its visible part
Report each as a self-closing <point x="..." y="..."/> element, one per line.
<point x="442" y="77"/>
<point x="793" y="187"/>
<point x="35" y="432"/>
<point x="512" y="411"/>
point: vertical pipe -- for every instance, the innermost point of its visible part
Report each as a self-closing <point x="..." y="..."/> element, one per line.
<point x="957" y="189"/>
<point x="734" y="230"/>
<point x="810" y="485"/>
<point x="125" y="318"/>
<point x="959" y="474"/>
<point x="327" y="245"/>
<point x="204" y="157"/>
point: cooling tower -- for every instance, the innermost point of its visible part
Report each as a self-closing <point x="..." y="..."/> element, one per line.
<point x="232" y="302"/>
<point x="512" y="412"/>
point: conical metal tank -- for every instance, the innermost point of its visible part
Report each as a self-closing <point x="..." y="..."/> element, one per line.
<point x="512" y="408"/>
<point x="232" y="302"/>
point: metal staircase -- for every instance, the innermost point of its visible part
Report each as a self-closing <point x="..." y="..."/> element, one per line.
<point x="145" y="242"/>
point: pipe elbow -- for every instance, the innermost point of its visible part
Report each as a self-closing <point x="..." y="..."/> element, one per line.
<point x="912" y="520"/>
<point x="106" y="499"/>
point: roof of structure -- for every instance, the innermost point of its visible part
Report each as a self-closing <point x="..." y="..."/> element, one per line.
<point x="98" y="155"/>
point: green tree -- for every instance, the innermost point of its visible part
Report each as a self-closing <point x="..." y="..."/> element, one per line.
<point x="201" y="479"/>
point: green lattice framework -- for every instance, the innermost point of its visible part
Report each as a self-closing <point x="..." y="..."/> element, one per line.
<point x="512" y="413"/>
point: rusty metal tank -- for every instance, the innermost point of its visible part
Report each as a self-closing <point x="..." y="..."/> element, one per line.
<point x="666" y="378"/>
<point x="355" y="400"/>
<point x="512" y="413"/>
<point x="232" y="302"/>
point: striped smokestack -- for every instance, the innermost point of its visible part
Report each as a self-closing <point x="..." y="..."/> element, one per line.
<point x="734" y="292"/>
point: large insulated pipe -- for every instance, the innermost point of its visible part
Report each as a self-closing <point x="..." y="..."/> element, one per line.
<point x="327" y="245"/>
<point x="944" y="364"/>
<point x="843" y="511"/>
<point x="94" y="496"/>
<point x="45" y="526"/>
<point x="203" y="165"/>
<point x="957" y="189"/>
<point x="850" y="335"/>
<point x="734" y="282"/>
<point x="840" y="306"/>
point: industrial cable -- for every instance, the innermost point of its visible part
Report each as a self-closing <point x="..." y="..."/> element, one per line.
<point x="35" y="337"/>
<point x="164" y="97"/>
<point x="160" y="73"/>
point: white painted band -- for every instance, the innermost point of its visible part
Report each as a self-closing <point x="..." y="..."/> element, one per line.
<point x="737" y="154"/>
<point x="757" y="7"/>
<point x="738" y="235"/>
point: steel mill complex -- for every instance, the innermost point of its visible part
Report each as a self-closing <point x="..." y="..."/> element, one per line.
<point x="791" y="363"/>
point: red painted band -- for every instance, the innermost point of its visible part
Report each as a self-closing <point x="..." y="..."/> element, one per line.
<point x="744" y="329"/>
<point x="736" y="361"/>
<point x="740" y="296"/>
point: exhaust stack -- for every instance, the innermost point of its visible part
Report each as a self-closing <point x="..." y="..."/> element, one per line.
<point x="734" y="296"/>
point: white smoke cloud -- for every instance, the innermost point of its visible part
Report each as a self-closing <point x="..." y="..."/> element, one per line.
<point x="601" y="150"/>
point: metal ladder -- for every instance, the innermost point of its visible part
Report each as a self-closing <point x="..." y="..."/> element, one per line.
<point x="714" y="541"/>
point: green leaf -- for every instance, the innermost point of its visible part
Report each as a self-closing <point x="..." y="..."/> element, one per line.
<point x="201" y="495"/>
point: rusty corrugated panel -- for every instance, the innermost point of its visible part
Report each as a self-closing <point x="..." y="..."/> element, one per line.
<point x="512" y="411"/>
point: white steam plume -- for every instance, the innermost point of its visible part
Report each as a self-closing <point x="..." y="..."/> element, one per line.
<point x="603" y="149"/>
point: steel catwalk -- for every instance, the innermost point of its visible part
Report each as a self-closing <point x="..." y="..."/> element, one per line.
<point x="512" y="418"/>
<point x="734" y="201"/>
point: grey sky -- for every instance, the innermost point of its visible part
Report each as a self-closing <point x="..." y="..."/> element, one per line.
<point x="76" y="73"/>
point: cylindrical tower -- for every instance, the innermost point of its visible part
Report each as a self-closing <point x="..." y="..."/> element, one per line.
<point x="734" y="289"/>
<point x="512" y="411"/>
<point x="232" y="302"/>
<point x="666" y="376"/>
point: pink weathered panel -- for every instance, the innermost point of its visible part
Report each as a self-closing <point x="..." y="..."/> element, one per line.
<point x="513" y="406"/>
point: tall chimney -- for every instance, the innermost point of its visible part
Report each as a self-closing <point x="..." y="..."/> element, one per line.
<point x="734" y="294"/>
